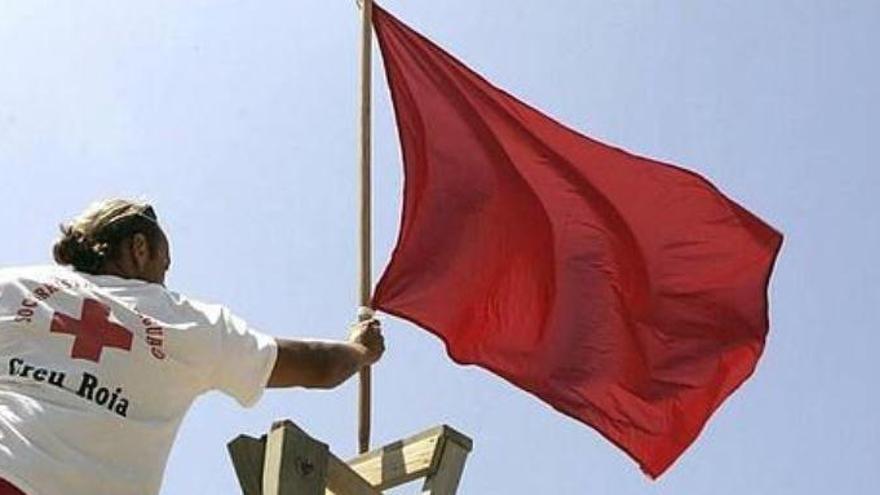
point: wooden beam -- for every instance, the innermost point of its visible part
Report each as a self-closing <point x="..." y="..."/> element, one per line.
<point x="247" y="459"/>
<point x="409" y="459"/>
<point x="294" y="462"/>
<point x="444" y="480"/>
<point x="343" y="480"/>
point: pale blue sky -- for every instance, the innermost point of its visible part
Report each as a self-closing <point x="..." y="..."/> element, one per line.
<point x="238" y="120"/>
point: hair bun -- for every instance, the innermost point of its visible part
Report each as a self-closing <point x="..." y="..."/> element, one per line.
<point x="65" y="248"/>
<point x="73" y="249"/>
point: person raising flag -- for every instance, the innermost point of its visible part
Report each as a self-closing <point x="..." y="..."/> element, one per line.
<point x="99" y="361"/>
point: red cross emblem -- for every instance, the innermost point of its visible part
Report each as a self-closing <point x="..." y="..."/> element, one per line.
<point x="92" y="332"/>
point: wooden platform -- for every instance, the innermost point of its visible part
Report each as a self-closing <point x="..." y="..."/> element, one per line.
<point x="288" y="461"/>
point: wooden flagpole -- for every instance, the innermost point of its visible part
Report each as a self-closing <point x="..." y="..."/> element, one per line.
<point x="365" y="265"/>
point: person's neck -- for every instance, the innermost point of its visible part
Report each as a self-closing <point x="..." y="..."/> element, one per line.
<point x="114" y="269"/>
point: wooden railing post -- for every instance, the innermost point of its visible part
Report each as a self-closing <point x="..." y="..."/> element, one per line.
<point x="444" y="480"/>
<point x="247" y="458"/>
<point x="294" y="462"/>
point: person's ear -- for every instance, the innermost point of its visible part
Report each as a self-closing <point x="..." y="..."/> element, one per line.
<point x="140" y="251"/>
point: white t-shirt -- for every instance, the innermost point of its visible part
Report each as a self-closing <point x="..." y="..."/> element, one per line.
<point x="96" y="373"/>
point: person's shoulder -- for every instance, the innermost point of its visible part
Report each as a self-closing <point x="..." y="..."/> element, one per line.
<point x="34" y="273"/>
<point x="211" y="312"/>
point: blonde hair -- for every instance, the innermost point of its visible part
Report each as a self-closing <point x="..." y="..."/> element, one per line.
<point x="94" y="236"/>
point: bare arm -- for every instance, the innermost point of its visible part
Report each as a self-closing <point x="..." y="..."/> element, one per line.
<point x="318" y="364"/>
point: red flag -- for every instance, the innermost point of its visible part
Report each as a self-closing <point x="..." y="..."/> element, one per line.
<point x="626" y="293"/>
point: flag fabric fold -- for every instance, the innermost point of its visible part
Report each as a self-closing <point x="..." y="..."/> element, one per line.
<point x="626" y="293"/>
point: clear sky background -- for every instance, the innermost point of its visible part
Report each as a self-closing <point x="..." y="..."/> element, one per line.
<point x="238" y="120"/>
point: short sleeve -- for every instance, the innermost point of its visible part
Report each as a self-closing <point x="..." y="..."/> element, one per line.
<point x="246" y="360"/>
